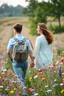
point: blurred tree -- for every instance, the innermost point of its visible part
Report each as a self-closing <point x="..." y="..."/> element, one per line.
<point x="6" y="10"/>
<point x="56" y="9"/>
<point x="29" y="10"/>
<point x="40" y="15"/>
<point x="37" y="11"/>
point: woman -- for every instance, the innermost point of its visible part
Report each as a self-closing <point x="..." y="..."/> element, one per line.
<point x="43" y="47"/>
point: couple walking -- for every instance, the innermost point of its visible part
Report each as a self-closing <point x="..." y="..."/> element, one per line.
<point x="42" y="51"/>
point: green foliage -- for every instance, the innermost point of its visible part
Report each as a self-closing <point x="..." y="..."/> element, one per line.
<point x="33" y="26"/>
<point x="60" y="51"/>
<point x="8" y="64"/>
<point x="56" y="29"/>
<point x="3" y="21"/>
<point x="39" y="15"/>
<point x="1" y="29"/>
<point x="1" y="38"/>
<point x="40" y="10"/>
<point x="29" y="10"/>
<point x="56" y="9"/>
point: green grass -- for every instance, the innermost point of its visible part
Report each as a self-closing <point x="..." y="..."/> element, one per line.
<point x="10" y="24"/>
<point x="1" y="38"/>
<point x="7" y="19"/>
<point x="3" y="21"/>
<point x="1" y="29"/>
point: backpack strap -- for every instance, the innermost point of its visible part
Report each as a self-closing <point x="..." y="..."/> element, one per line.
<point x="16" y="39"/>
<point x="24" y="39"/>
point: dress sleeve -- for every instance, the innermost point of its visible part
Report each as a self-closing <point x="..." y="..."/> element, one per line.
<point x="37" y="47"/>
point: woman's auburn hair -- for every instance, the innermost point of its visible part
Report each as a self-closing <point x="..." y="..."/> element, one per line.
<point x="49" y="36"/>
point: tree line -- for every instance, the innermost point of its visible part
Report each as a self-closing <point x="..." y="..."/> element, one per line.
<point x="6" y="10"/>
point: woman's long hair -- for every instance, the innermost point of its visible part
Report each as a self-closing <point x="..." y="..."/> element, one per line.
<point x="49" y="36"/>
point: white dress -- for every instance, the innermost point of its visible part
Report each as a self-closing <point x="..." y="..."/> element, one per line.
<point x="43" y="53"/>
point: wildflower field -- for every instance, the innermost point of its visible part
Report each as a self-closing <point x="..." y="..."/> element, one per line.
<point x="49" y="82"/>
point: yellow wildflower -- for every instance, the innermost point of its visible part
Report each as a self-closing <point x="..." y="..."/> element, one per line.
<point x="43" y="78"/>
<point x="30" y="79"/>
<point x="1" y="89"/>
<point x="54" y="50"/>
<point x="12" y="91"/>
<point x="2" y="73"/>
<point x="10" y="84"/>
<point x="19" y="87"/>
<point x="62" y="91"/>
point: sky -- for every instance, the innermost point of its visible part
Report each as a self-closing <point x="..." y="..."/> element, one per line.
<point x="15" y="2"/>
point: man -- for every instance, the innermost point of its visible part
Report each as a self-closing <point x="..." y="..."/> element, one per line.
<point x="19" y="68"/>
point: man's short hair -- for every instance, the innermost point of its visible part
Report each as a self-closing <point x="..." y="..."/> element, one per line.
<point x="18" y="28"/>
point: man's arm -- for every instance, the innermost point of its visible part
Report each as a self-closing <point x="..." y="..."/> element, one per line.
<point x="32" y="59"/>
<point x="30" y="54"/>
<point x="9" y="54"/>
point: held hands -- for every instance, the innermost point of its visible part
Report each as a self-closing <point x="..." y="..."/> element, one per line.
<point x="32" y="65"/>
<point x="32" y="62"/>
